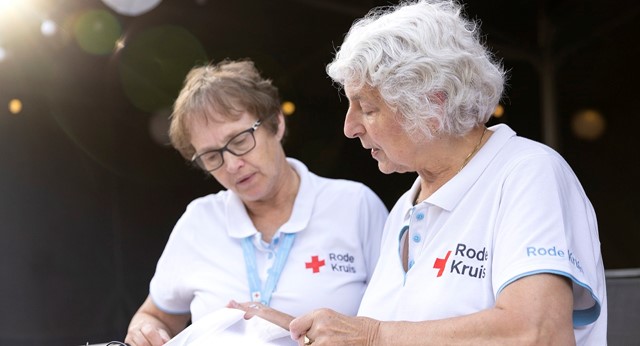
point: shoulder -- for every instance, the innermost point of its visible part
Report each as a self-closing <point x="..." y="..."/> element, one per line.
<point x="524" y="156"/>
<point x="206" y="204"/>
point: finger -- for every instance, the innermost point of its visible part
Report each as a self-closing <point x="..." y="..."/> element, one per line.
<point x="164" y="335"/>
<point x="137" y="339"/>
<point x="274" y="316"/>
<point x="249" y="308"/>
<point x="153" y="334"/>
<point x="300" y="326"/>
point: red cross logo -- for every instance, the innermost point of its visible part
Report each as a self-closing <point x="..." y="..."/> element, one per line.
<point x="315" y="264"/>
<point x="440" y="263"/>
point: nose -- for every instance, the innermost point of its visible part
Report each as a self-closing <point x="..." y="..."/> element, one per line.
<point x="232" y="163"/>
<point x="352" y="125"/>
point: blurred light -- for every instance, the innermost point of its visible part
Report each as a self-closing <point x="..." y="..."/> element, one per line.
<point x="97" y="31"/>
<point x="6" y="5"/>
<point x="159" y="127"/>
<point x="588" y="124"/>
<point x="15" y="105"/>
<point x="120" y="43"/>
<point x="288" y="107"/>
<point x="132" y="7"/>
<point x="3" y="54"/>
<point x="499" y="111"/>
<point x="15" y="17"/>
<point x="48" y="27"/>
<point x="154" y="64"/>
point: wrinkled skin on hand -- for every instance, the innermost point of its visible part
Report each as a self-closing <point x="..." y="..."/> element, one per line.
<point x="326" y="327"/>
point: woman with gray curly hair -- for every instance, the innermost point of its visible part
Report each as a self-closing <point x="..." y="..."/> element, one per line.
<point x="495" y="242"/>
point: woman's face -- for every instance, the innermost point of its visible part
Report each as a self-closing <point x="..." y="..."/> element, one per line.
<point x="379" y="129"/>
<point x="254" y="175"/>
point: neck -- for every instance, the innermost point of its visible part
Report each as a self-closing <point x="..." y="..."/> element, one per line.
<point x="270" y="214"/>
<point x="475" y="150"/>
<point x="451" y="163"/>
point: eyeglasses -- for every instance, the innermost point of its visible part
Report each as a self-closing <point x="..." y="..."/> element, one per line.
<point x="238" y="145"/>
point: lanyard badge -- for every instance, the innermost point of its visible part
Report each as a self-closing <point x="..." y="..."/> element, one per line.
<point x="260" y="293"/>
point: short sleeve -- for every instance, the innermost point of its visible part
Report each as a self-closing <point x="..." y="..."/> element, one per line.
<point x="167" y="288"/>
<point x="546" y="224"/>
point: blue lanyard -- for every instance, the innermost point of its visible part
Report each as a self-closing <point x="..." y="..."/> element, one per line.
<point x="258" y="292"/>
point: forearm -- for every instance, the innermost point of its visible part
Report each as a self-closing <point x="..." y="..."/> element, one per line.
<point x="488" y="327"/>
<point x="534" y="310"/>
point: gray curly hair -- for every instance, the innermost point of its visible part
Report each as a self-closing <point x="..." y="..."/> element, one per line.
<point x="419" y="52"/>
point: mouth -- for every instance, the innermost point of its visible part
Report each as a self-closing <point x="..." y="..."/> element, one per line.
<point x="374" y="151"/>
<point x="244" y="179"/>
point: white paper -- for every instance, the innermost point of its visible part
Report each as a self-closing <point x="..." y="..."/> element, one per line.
<point x="228" y="327"/>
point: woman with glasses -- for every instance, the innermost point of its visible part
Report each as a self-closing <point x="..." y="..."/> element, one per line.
<point x="278" y="235"/>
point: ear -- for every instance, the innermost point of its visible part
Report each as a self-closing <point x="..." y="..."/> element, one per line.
<point x="281" y="126"/>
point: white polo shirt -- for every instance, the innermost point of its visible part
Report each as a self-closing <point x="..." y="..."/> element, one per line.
<point x="338" y="225"/>
<point x="516" y="209"/>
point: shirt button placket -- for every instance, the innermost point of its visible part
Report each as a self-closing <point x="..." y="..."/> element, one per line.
<point x="416" y="238"/>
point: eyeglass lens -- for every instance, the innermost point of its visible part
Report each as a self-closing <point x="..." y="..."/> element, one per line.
<point x="239" y="145"/>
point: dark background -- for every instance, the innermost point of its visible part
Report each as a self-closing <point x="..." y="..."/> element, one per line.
<point x="89" y="191"/>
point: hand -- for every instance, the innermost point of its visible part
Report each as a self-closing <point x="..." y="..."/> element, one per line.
<point x="326" y="327"/>
<point x="146" y="334"/>
<point x="266" y="313"/>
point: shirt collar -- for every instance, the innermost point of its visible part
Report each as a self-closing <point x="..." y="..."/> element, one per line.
<point x="450" y="194"/>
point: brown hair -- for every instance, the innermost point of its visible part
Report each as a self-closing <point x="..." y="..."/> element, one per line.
<point x="228" y="88"/>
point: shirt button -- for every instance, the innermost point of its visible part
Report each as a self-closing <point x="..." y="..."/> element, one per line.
<point x="420" y="216"/>
<point x="416" y="238"/>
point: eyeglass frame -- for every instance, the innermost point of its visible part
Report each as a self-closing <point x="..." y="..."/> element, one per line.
<point x="251" y="130"/>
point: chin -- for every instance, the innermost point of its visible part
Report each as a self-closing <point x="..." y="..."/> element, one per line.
<point x="386" y="169"/>
<point x="389" y="168"/>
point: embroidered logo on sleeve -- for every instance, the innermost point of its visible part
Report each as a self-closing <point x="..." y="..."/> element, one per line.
<point x="315" y="264"/>
<point x="533" y="251"/>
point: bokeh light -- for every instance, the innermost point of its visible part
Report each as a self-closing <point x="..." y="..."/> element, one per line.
<point x="588" y="124"/>
<point x="15" y="106"/>
<point x="499" y="111"/>
<point x="8" y="5"/>
<point x="48" y="27"/>
<point x="159" y="127"/>
<point x="97" y="31"/>
<point x="132" y="7"/>
<point x="154" y="63"/>
<point x="288" y="107"/>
